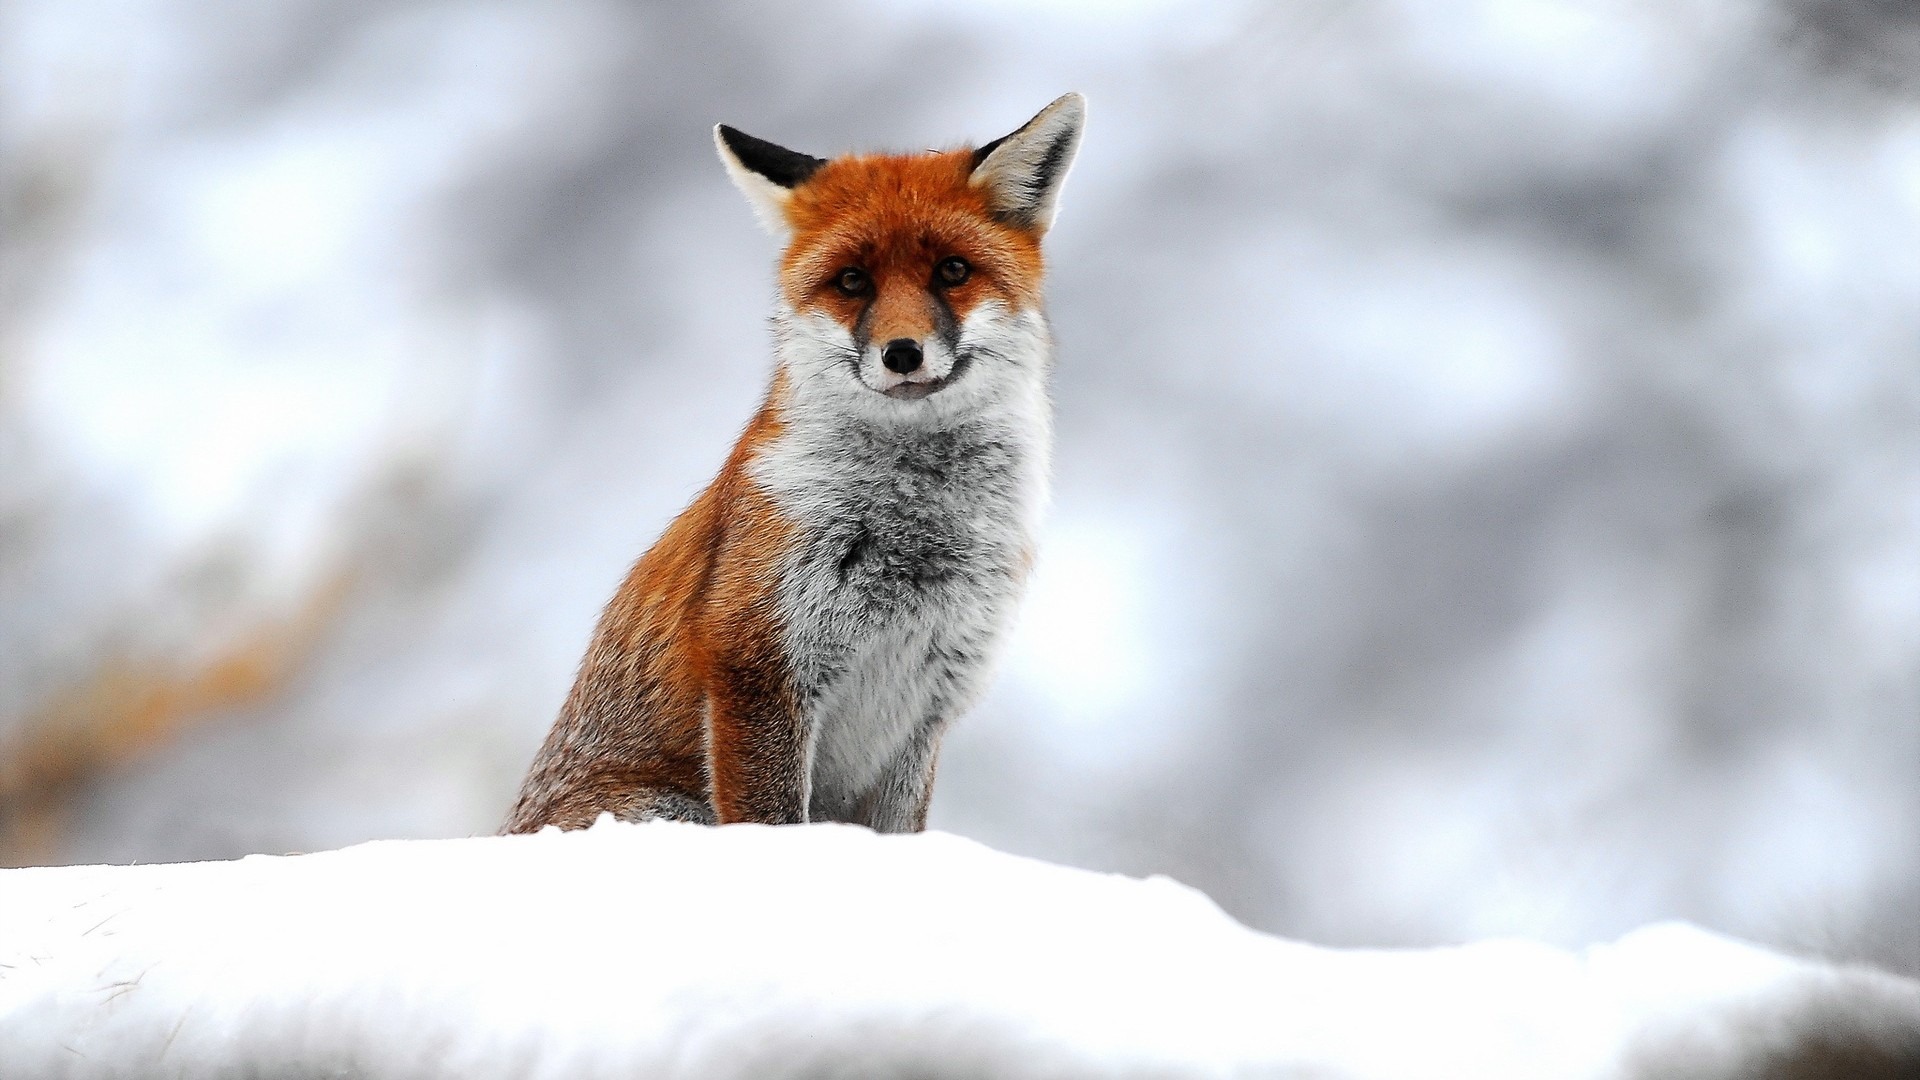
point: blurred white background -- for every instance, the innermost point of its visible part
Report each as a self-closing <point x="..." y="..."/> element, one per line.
<point x="1488" y="484"/>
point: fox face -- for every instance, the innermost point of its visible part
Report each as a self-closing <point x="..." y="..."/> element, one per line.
<point x="910" y="284"/>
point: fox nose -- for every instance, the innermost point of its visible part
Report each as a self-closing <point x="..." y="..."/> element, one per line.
<point x="902" y="355"/>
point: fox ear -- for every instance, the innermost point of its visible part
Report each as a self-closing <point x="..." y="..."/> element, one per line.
<point x="1022" y="172"/>
<point x="765" y="173"/>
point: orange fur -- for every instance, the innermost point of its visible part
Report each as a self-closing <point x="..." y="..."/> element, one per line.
<point x="693" y="623"/>
<point x="897" y="216"/>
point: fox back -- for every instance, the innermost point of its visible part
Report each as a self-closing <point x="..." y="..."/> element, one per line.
<point x="794" y="645"/>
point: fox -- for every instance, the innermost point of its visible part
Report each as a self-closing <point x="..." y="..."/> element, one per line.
<point x="794" y="646"/>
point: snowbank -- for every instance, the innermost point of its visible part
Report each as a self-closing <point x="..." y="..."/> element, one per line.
<point x="664" y="951"/>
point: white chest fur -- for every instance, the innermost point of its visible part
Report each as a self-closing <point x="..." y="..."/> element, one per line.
<point x="914" y="540"/>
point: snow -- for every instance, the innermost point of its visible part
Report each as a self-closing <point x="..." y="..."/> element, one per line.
<point x="664" y="950"/>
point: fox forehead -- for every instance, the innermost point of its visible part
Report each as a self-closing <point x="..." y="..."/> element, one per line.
<point x="895" y="216"/>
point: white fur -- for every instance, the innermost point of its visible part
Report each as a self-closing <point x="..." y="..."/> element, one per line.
<point x="952" y="485"/>
<point x="768" y="199"/>
<point x="1016" y="173"/>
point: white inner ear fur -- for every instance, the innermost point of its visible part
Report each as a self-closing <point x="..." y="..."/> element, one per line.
<point x="1023" y="175"/>
<point x="768" y="199"/>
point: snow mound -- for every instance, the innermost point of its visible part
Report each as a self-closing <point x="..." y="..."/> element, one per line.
<point x="665" y="950"/>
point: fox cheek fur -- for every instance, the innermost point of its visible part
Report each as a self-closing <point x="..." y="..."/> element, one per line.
<point x="795" y="644"/>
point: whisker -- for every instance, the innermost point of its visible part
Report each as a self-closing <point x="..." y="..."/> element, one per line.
<point x="985" y="352"/>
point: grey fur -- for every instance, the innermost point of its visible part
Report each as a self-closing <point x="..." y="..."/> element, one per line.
<point x="917" y="527"/>
<point x="649" y="804"/>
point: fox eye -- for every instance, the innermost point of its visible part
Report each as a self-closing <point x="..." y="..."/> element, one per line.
<point x="954" y="271"/>
<point x="851" y="281"/>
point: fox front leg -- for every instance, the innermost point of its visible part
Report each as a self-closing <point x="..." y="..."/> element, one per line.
<point x="757" y="752"/>
<point x="897" y="801"/>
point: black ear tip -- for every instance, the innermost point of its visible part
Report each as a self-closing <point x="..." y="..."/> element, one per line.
<point x="771" y="160"/>
<point x="980" y="152"/>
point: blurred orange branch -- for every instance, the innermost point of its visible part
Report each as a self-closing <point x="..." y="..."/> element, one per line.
<point x="130" y="709"/>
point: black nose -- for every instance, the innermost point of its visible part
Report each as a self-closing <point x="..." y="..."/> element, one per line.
<point x="902" y="355"/>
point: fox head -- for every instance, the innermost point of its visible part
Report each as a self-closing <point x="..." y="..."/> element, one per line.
<point x="912" y="282"/>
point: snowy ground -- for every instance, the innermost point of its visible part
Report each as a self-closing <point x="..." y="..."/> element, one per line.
<point x="664" y="950"/>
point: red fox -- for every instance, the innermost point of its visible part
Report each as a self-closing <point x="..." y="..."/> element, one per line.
<point x="794" y="646"/>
